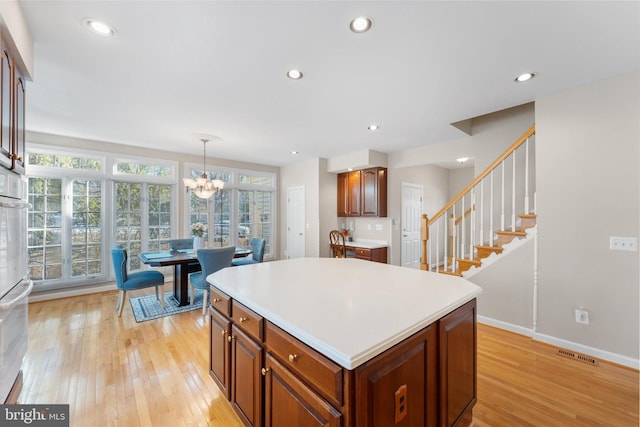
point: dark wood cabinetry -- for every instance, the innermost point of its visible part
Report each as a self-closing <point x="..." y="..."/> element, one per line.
<point x="375" y="255"/>
<point x="401" y="385"/>
<point x="458" y="365"/>
<point x="363" y="193"/>
<point x="275" y="380"/>
<point x="246" y="377"/>
<point x="220" y="351"/>
<point x="12" y="113"/>
<point x="290" y="402"/>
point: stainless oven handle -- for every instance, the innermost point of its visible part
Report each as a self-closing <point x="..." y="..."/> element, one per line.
<point x="19" y="204"/>
<point x="6" y="306"/>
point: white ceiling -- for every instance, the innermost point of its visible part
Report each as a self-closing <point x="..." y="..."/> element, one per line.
<point x="177" y="68"/>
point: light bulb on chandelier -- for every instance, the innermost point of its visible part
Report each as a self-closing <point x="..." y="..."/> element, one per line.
<point x="202" y="187"/>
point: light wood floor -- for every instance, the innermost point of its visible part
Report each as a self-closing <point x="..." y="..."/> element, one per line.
<point x="116" y="372"/>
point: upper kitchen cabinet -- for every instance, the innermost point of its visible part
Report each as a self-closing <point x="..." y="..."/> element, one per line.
<point x="12" y="114"/>
<point x="16" y="66"/>
<point x="363" y="193"/>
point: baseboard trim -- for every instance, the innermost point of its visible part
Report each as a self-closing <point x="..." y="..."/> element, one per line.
<point x="71" y="292"/>
<point x="619" y="359"/>
<point x="520" y="330"/>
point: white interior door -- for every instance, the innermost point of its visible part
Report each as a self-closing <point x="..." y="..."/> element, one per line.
<point x="295" y="222"/>
<point x="411" y="211"/>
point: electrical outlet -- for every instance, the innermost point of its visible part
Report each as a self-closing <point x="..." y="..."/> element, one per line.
<point x="582" y="316"/>
<point x="623" y="243"/>
<point x="378" y="227"/>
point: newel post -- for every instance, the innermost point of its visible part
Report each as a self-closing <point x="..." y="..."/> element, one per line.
<point x="424" y="236"/>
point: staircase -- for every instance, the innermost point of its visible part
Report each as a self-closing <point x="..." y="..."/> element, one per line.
<point x="454" y="244"/>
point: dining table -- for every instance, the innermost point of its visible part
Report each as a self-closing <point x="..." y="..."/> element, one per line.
<point x="184" y="262"/>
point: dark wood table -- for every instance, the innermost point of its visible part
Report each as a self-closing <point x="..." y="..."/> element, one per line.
<point x="183" y="262"/>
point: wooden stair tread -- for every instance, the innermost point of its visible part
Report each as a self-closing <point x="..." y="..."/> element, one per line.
<point x="489" y="248"/>
<point x="528" y="216"/>
<point x="512" y="233"/>
<point x="470" y="261"/>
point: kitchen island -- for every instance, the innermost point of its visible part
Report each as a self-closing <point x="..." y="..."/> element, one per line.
<point x="343" y="342"/>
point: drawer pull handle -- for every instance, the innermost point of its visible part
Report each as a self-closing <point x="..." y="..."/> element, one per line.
<point x="264" y="371"/>
<point x="215" y="300"/>
<point x="243" y="319"/>
<point x="293" y="357"/>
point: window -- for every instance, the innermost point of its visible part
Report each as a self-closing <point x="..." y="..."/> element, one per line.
<point x="242" y="210"/>
<point x="76" y="219"/>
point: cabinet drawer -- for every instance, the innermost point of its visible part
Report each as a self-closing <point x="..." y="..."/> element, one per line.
<point x="220" y="301"/>
<point x="363" y="253"/>
<point x="247" y="320"/>
<point x="316" y="369"/>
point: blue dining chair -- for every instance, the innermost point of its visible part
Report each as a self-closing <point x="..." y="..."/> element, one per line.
<point x="180" y="244"/>
<point x="257" y="253"/>
<point x="137" y="280"/>
<point x="211" y="260"/>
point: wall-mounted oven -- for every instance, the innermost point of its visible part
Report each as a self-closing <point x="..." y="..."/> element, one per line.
<point x="15" y="285"/>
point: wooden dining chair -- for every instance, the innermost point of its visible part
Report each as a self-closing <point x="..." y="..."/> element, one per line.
<point x="338" y="248"/>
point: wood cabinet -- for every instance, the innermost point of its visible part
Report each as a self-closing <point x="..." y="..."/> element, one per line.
<point x="12" y="113"/>
<point x="275" y="380"/>
<point x="363" y="193"/>
<point x="246" y="377"/>
<point x="290" y="402"/>
<point x="375" y="255"/>
<point x="400" y="384"/>
<point x="220" y="351"/>
<point x="458" y="365"/>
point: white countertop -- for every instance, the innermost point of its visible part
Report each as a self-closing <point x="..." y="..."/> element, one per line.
<point x="347" y="309"/>
<point x="366" y="244"/>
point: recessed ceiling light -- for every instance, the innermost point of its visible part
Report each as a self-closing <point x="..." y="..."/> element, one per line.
<point x="461" y="160"/>
<point x="294" y="152"/>
<point x="525" y="77"/>
<point x="99" y="27"/>
<point x="294" y="74"/>
<point x="373" y="127"/>
<point x="361" y="24"/>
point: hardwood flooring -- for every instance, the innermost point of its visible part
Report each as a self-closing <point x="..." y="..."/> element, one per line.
<point x="116" y="372"/>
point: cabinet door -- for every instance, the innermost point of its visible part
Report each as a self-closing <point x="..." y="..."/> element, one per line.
<point x="458" y="365"/>
<point x="290" y="403"/>
<point x="220" y="351"/>
<point x="370" y="192"/>
<point x="399" y="387"/>
<point x="354" y="194"/>
<point x="246" y="377"/>
<point x="18" y="124"/>
<point x="343" y="193"/>
<point x="5" y="110"/>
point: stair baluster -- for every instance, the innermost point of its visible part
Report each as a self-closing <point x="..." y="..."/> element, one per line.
<point x="466" y="241"/>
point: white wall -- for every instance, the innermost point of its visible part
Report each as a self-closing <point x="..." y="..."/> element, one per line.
<point x="589" y="189"/>
<point x="435" y="182"/>
<point x="305" y="173"/>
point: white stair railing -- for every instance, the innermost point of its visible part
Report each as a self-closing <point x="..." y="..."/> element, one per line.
<point x="480" y="205"/>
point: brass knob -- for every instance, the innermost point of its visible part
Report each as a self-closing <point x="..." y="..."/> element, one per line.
<point x="265" y="370"/>
<point x="215" y="300"/>
<point x="223" y="333"/>
<point x="230" y="337"/>
<point x="293" y="357"/>
<point x="243" y="319"/>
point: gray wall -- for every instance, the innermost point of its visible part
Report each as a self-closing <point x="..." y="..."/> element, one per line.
<point x="588" y="190"/>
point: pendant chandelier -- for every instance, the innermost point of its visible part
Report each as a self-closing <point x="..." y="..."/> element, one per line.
<point x="202" y="187"/>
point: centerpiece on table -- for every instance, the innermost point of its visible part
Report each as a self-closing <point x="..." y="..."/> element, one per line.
<point x="197" y="230"/>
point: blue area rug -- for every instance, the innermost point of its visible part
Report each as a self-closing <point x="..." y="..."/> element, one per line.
<point x="148" y="307"/>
